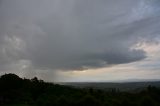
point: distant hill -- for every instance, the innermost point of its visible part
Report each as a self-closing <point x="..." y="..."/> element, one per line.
<point x="16" y="91"/>
<point x="126" y="86"/>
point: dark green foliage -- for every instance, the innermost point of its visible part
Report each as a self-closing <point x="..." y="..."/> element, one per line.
<point x="89" y="100"/>
<point x="15" y="91"/>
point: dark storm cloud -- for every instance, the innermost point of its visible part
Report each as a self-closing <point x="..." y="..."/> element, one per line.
<point x="75" y="34"/>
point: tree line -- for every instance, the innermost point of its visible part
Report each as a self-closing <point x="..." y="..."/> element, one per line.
<point x="16" y="91"/>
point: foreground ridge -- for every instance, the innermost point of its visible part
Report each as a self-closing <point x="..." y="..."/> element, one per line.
<point x="16" y="91"/>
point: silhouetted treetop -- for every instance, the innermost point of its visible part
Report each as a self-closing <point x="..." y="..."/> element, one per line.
<point x="10" y="76"/>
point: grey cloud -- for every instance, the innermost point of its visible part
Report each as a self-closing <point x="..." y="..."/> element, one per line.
<point x="75" y="34"/>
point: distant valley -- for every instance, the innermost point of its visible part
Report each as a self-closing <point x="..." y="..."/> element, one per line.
<point x="125" y="86"/>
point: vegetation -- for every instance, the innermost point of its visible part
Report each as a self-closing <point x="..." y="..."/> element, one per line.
<point x="15" y="91"/>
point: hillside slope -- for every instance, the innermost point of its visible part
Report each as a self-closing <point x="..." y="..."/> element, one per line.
<point x="15" y="91"/>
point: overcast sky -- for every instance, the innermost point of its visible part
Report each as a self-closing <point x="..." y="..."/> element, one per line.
<point x="80" y="40"/>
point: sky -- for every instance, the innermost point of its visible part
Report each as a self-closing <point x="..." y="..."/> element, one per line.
<point x="80" y="40"/>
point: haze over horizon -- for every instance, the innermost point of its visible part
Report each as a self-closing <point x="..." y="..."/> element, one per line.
<point x="80" y="40"/>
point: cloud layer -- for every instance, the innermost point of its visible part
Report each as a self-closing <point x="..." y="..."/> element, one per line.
<point x="75" y="34"/>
